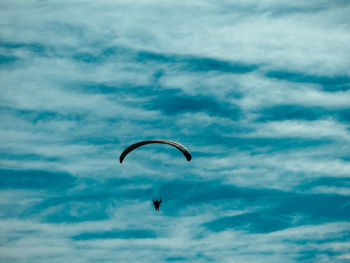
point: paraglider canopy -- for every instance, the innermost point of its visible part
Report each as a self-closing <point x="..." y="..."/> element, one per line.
<point x="177" y="145"/>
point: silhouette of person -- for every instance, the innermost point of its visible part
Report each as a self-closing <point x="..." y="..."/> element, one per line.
<point x="157" y="203"/>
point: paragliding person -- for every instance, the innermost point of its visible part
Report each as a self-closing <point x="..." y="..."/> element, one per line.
<point x="157" y="203"/>
<point x="180" y="147"/>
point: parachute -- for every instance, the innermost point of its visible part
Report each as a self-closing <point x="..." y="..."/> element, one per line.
<point x="177" y="145"/>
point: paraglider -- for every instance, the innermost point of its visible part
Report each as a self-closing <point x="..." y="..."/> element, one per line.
<point x="156" y="203"/>
<point x="180" y="147"/>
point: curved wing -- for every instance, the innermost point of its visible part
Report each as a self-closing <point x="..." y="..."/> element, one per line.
<point x="180" y="147"/>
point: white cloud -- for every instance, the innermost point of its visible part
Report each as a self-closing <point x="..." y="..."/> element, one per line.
<point x="299" y="41"/>
<point x="302" y="129"/>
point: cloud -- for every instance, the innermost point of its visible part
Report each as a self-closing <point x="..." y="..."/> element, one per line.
<point x="303" y="129"/>
<point x="128" y="234"/>
<point x="330" y="82"/>
<point x="291" y="213"/>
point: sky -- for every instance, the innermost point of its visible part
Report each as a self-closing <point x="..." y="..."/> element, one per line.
<point x="258" y="91"/>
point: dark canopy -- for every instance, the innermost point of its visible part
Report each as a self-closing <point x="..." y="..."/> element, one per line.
<point x="172" y="143"/>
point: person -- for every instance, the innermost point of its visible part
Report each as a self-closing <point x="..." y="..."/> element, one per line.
<point x="157" y="203"/>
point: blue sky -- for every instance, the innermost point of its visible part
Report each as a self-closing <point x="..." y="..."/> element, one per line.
<point x="258" y="91"/>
